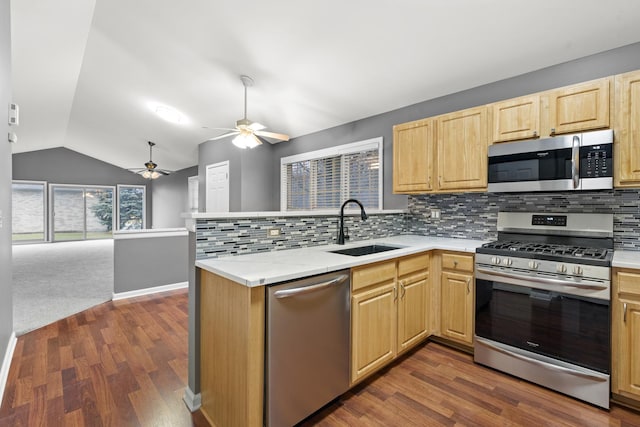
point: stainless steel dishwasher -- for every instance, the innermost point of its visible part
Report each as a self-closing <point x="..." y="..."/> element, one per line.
<point x="307" y="360"/>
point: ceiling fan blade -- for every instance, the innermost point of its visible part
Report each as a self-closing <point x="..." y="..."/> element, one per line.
<point x="224" y="135"/>
<point x="255" y="126"/>
<point x="280" y="136"/>
<point x="162" y="171"/>
<point x="229" y="129"/>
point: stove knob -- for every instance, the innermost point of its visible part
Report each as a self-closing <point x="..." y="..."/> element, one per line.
<point x="561" y="268"/>
<point x="533" y="265"/>
<point x="507" y="261"/>
<point x="495" y="260"/>
<point x="577" y="270"/>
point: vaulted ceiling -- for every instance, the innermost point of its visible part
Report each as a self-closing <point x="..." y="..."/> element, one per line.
<point x="86" y="72"/>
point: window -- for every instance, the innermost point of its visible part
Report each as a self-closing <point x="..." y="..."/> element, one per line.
<point x="81" y="213"/>
<point x="324" y="179"/>
<point x="131" y="207"/>
<point x="28" y="211"/>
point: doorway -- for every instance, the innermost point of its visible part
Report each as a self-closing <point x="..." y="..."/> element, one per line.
<point x="217" y="187"/>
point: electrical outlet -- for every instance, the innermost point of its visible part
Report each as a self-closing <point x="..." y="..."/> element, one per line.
<point x="435" y="213"/>
<point x="273" y="232"/>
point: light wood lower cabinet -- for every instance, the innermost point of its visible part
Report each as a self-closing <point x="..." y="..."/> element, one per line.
<point x="625" y="325"/>
<point x="457" y="297"/>
<point x="389" y="309"/>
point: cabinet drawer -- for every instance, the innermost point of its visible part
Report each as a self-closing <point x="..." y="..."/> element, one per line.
<point x="413" y="263"/>
<point x="457" y="262"/>
<point x="628" y="281"/>
<point x="372" y="274"/>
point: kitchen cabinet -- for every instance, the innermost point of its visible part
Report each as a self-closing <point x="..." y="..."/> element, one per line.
<point x="413" y="152"/>
<point x="457" y="297"/>
<point x="579" y="107"/>
<point x="462" y="150"/>
<point x="515" y="119"/>
<point x="389" y="304"/>
<point x="373" y="317"/>
<point x="576" y="108"/>
<point x="447" y="153"/>
<point x="413" y="301"/>
<point x="625" y="326"/>
<point x="627" y="130"/>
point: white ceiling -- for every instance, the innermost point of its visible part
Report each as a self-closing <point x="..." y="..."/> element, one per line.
<point x="84" y="71"/>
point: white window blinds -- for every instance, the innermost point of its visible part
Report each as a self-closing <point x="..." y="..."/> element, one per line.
<point x="324" y="179"/>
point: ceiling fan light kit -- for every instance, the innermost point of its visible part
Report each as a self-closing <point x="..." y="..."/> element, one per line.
<point x="247" y="133"/>
<point x="150" y="170"/>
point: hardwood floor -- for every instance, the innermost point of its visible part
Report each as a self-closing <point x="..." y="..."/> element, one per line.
<point x="439" y="386"/>
<point x="124" y="363"/>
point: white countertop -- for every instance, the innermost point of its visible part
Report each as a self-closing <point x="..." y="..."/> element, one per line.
<point x="279" y="214"/>
<point x="626" y="259"/>
<point x="149" y="233"/>
<point x="272" y="267"/>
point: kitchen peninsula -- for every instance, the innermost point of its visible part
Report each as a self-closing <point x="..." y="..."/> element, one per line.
<point x="232" y="310"/>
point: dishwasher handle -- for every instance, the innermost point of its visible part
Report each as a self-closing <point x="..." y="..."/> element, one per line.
<point x="286" y="293"/>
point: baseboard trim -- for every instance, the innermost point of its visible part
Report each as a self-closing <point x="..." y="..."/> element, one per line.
<point x="193" y="401"/>
<point x="6" y="363"/>
<point x="147" y="291"/>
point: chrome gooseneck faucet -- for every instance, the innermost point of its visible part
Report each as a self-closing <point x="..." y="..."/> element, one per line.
<point x="363" y="215"/>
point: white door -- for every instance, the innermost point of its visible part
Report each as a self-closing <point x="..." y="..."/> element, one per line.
<point x="218" y="187"/>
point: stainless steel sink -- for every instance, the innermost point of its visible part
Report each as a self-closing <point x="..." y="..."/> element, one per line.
<point x="365" y="250"/>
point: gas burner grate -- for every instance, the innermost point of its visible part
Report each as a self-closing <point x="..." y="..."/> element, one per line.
<point x="549" y="249"/>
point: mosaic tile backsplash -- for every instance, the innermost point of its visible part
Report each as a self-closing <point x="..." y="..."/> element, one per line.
<point x="474" y="215"/>
<point x="216" y="238"/>
<point x="468" y="215"/>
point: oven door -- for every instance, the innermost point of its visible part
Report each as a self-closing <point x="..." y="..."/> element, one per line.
<point x="559" y="325"/>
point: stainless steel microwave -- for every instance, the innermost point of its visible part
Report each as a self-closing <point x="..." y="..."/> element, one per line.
<point x="581" y="161"/>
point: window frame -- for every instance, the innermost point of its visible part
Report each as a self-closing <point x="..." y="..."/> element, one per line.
<point x="144" y="203"/>
<point x="338" y="150"/>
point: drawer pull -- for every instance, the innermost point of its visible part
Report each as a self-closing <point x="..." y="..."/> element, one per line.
<point x="624" y="311"/>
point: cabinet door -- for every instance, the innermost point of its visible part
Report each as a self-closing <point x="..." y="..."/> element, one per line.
<point x="373" y="333"/>
<point x="515" y="119"/>
<point x="627" y="138"/>
<point x="457" y="306"/>
<point x="413" y="156"/>
<point x="579" y="107"/>
<point x="625" y="326"/>
<point x="412" y="310"/>
<point x="462" y="150"/>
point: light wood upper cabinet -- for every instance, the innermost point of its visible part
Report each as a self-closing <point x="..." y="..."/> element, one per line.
<point x="627" y="130"/>
<point x="625" y="327"/>
<point x="413" y="151"/>
<point x="580" y="107"/>
<point x="515" y="119"/>
<point x="413" y="301"/>
<point x="462" y="150"/>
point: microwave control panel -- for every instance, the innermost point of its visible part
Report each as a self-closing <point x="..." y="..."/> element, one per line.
<point x="596" y="161"/>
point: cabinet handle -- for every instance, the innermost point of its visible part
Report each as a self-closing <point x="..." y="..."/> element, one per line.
<point x="553" y="131"/>
<point x="395" y="293"/>
<point x="535" y="133"/>
<point x="429" y="182"/>
<point x="468" y="283"/>
<point x="439" y="181"/>
<point x="624" y="312"/>
<point x="455" y="264"/>
<point x="404" y="290"/>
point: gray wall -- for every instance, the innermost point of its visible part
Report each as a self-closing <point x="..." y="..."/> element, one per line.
<point x="170" y="198"/>
<point x="608" y="63"/>
<point x="63" y="166"/>
<point x="147" y="262"/>
<point x="6" y="292"/>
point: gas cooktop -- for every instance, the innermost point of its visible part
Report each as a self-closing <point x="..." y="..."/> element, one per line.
<point x="552" y="252"/>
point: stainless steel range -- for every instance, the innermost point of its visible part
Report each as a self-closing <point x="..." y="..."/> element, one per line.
<point x="542" y="301"/>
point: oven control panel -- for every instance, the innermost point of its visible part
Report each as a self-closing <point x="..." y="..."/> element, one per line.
<point x="549" y="220"/>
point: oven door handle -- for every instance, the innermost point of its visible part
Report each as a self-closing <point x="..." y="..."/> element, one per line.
<point x="546" y="280"/>
<point x="540" y="362"/>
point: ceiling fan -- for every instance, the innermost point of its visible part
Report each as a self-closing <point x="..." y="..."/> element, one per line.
<point x="249" y="134"/>
<point x="150" y="171"/>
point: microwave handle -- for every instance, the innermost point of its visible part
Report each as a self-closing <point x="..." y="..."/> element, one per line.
<point x="575" y="161"/>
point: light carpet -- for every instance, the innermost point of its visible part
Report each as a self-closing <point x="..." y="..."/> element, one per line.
<point x="52" y="281"/>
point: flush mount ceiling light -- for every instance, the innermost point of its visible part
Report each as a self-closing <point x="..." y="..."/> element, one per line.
<point x="150" y="170"/>
<point x="167" y="113"/>
<point x="249" y="134"/>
